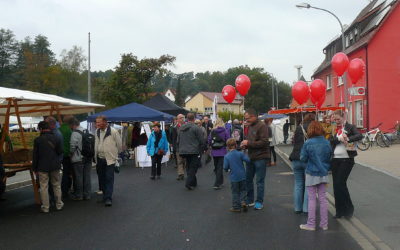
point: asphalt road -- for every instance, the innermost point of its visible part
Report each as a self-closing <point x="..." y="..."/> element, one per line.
<point x="162" y="214"/>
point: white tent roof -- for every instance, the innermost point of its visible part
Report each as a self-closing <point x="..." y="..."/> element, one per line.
<point x="38" y="104"/>
<point x="26" y="120"/>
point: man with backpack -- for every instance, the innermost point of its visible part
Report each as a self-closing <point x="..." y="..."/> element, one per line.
<point x="82" y="152"/>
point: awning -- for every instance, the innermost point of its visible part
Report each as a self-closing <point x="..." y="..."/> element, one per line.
<point x="298" y="110"/>
<point x="132" y="112"/>
<point x="29" y="103"/>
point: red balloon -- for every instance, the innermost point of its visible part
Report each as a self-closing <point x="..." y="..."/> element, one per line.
<point x="318" y="102"/>
<point x="340" y="62"/>
<point x="300" y="92"/>
<point x="317" y="89"/>
<point x="242" y="84"/>
<point x="229" y="93"/>
<point x="356" y="70"/>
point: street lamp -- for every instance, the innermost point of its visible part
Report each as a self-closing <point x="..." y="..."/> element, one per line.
<point x="308" y="6"/>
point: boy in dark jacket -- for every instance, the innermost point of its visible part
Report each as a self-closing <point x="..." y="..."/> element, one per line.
<point x="46" y="161"/>
<point x="234" y="161"/>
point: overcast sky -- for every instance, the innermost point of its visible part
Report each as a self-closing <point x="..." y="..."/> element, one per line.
<point x="203" y="35"/>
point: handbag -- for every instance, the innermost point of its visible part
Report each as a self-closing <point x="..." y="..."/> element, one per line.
<point x="160" y="152"/>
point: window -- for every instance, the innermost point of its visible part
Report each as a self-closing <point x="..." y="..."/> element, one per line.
<point x="328" y="82"/>
<point x="359" y="114"/>
<point x="347" y="41"/>
<point x="350" y="115"/>
<point x="340" y="81"/>
<point x="208" y="109"/>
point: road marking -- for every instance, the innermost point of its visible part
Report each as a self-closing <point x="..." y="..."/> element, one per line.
<point x="360" y="232"/>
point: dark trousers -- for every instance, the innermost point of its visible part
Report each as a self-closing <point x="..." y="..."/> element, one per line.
<point x="273" y="153"/>
<point x="192" y="164"/>
<point x="239" y="193"/>
<point x="67" y="176"/>
<point x="218" y="170"/>
<point x="82" y="178"/>
<point x="106" y="178"/>
<point x="341" y="169"/>
<point x="285" y="137"/>
<point x="156" y="165"/>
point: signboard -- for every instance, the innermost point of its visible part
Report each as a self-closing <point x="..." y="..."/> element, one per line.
<point x="356" y="91"/>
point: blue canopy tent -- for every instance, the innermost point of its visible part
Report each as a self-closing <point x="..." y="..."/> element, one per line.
<point x="132" y="112"/>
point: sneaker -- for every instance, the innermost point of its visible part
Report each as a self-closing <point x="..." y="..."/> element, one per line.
<point x="44" y="210"/>
<point x="324" y="228"/>
<point x="60" y="208"/>
<point x="235" y="210"/>
<point x="152" y="177"/>
<point x="108" y="203"/>
<point x="99" y="192"/>
<point x="305" y="227"/>
<point x="189" y="187"/>
<point x="251" y="204"/>
<point x="217" y="187"/>
<point x="258" y="206"/>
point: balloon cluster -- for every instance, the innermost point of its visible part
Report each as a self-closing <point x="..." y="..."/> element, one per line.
<point x="301" y="92"/>
<point x="355" y="68"/>
<point x="242" y="85"/>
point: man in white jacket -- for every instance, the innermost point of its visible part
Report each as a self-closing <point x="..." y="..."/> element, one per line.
<point x="108" y="145"/>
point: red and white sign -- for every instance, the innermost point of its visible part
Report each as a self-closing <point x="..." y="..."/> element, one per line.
<point x="356" y="91"/>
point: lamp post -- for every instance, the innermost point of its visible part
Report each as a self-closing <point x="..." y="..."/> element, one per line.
<point x="308" y="6"/>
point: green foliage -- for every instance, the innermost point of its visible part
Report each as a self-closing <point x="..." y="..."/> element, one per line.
<point x="130" y="80"/>
<point x="226" y="116"/>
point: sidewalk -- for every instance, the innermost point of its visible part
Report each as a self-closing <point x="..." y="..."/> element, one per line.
<point x="384" y="160"/>
<point x="373" y="189"/>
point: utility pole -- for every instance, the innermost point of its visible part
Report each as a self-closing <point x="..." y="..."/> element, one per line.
<point x="89" y="80"/>
<point x="277" y="96"/>
<point x="298" y="67"/>
<point x="273" y="95"/>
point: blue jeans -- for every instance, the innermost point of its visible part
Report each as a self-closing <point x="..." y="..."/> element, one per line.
<point x="259" y="169"/>
<point x="83" y="184"/>
<point x="106" y="176"/>
<point x="300" y="193"/>
<point x="238" y="193"/>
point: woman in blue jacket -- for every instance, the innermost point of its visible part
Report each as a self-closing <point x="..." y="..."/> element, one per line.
<point x="316" y="153"/>
<point x="157" y="147"/>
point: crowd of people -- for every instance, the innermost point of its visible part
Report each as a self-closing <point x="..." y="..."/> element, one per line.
<point x="73" y="150"/>
<point x="245" y="149"/>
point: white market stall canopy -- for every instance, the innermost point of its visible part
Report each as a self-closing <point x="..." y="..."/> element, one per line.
<point x="29" y="103"/>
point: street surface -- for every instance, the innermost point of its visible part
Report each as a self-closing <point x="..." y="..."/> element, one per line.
<point x="162" y="214"/>
<point x="375" y="194"/>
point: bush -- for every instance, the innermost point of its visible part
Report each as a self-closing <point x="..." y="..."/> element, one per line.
<point x="226" y="116"/>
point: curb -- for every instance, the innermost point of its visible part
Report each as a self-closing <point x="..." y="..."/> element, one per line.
<point x="20" y="184"/>
<point x="360" y="232"/>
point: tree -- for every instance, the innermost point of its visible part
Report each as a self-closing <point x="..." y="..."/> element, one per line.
<point x="179" y="98"/>
<point x="8" y="57"/>
<point x="131" y="79"/>
<point x="73" y="60"/>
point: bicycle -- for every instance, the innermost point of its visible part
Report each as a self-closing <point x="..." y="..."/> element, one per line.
<point x="394" y="133"/>
<point x="374" y="135"/>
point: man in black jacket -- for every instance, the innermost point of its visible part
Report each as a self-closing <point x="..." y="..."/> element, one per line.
<point x="190" y="144"/>
<point x="46" y="162"/>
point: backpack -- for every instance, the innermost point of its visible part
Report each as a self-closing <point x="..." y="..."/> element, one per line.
<point x="87" y="143"/>
<point x="236" y="134"/>
<point x="216" y="141"/>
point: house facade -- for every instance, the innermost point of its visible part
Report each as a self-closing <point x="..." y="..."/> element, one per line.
<point x="202" y="103"/>
<point x="170" y="94"/>
<point x="374" y="36"/>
